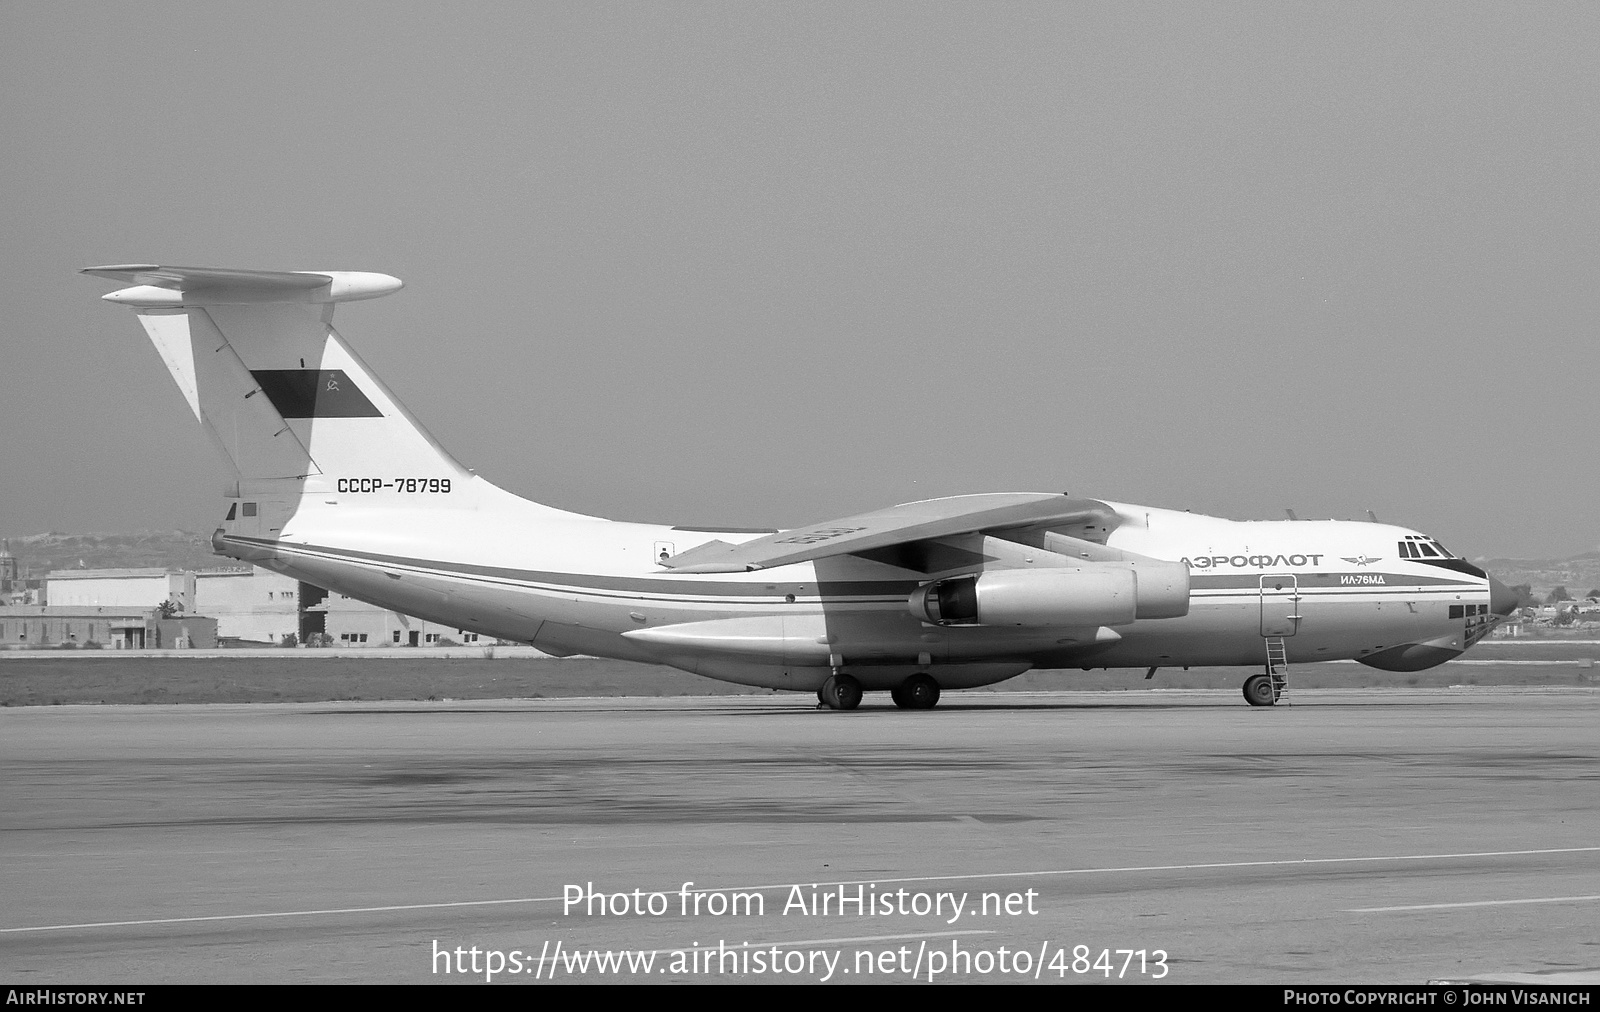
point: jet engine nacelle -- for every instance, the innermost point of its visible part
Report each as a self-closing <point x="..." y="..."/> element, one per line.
<point x="1093" y="595"/>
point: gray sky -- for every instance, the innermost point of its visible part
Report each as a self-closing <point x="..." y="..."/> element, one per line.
<point x="767" y="264"/>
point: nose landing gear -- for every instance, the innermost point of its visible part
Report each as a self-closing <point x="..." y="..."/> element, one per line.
<point x="1262" y="690"/>
<point x="1270" y="687"/>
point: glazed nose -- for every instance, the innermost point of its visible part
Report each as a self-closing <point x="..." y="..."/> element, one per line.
<point x="1501" y="600"/>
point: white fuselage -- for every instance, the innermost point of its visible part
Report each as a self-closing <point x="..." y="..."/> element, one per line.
<point x="334" y="482"/>
<point x="489" y="562"/>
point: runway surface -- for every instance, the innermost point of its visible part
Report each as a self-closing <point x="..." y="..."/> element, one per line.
<point x="1356" y="836"/>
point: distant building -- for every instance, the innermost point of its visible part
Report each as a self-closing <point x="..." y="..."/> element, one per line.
<point x="119" y="588"/>
<point x="24" y="591"/>
<point x="16" y="585"/>
<point x="34" y="627"/>
<point x="8" y="568"/>
<point x="352" y="623"/>
<point x="246" y="604"/>
<point x="250" y="604"/>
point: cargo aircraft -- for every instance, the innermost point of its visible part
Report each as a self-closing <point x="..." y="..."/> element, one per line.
<point x="334" y="483"/>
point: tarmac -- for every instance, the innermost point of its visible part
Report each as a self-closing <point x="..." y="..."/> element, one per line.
<point x="1171" y="836"/>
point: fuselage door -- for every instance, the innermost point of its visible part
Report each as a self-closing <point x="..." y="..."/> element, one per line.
<point x="1280" y="605"/>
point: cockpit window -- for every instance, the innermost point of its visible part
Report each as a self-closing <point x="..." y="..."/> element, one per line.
<point x="1415" y="546"/>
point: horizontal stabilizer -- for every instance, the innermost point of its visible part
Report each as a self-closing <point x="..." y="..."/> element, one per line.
<point x="157" y="286"/>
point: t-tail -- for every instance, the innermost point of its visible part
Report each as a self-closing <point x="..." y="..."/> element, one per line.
<point x="300" y="419"/>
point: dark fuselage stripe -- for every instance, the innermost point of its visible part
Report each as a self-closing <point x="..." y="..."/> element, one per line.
<point x="1214" y="589"/>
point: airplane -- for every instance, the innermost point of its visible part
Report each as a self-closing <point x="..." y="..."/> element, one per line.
<point x="333" y="482"/>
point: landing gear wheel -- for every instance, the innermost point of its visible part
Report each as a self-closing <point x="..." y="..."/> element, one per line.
<point x="1259" y="691"/>
<point x="898" y="694"/>
<point x="919" y="692"/>
<point x="846" y="692"/>
<point x="840" y="692"/>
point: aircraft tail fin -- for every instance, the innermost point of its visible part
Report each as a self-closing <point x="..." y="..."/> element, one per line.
<point x="290" y="405"/>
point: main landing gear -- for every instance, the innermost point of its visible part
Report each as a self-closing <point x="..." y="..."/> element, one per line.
<point x="840" y="692"/>
<point x="1262" y="690"/>
<point x="919" y="692"/>
<point x="843" y="692"/>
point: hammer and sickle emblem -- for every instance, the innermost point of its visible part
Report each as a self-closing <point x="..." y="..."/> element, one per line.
<point x="333" y="384"/>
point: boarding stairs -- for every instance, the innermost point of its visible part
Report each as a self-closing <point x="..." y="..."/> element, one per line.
<point x="1278" y="669"/>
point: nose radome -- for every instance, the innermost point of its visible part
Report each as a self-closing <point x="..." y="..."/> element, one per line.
<point x="1502" y="601"/>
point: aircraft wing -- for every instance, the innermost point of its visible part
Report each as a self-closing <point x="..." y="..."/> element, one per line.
<point x="917" y="521"/>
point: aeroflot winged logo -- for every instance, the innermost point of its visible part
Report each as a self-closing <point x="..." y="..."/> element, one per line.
<point x="1362" y="560"/>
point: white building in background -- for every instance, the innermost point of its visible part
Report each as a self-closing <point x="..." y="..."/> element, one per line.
<point x="119" y="588"/>
<point x="253" y="606"/>
<point x="249" y="603"/>
<point x="351" y="623"/>
<point x="260" y="606"/>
